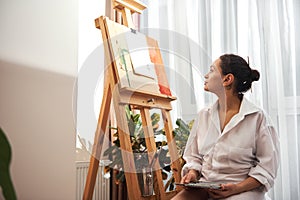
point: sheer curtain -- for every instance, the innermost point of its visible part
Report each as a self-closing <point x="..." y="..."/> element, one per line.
<point x="194" y="33"/>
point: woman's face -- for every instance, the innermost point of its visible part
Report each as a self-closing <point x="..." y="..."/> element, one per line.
<point x="213" y="79"/>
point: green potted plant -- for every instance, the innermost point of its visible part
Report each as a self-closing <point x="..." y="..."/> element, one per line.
<point x="180" y="133"/>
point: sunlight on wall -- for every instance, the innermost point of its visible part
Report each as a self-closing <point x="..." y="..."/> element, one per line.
<point x="89" y="41"/>
<point x="89" y="36"/>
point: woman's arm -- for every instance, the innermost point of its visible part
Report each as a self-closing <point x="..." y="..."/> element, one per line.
<point x="191" y="154"/>
<point x="230" y="189"/>
<point x="248" y="184"/>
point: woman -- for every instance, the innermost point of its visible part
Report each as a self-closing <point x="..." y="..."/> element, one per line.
<point x="232" y="142"/>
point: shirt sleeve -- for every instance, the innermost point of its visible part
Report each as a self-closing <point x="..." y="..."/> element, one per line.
<point x="191" y="153"/>
<point x="267" y="154"/>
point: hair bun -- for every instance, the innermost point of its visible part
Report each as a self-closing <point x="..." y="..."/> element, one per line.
<point x="255" y="75"/>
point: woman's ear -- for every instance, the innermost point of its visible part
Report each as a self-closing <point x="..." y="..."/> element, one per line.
<point x="228" y="80"/>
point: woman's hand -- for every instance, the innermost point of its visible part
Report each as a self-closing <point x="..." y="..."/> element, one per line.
<point x="229" y="189"/>
<point x="225" y="191"/>
<point x="191" y="176"/>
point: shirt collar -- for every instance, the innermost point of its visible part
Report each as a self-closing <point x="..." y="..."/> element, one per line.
<point x="246" y="108"/>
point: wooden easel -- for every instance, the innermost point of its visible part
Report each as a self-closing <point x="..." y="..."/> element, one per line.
<point x="140" y="100"/>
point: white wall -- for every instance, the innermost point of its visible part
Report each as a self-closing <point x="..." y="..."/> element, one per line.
<point x="38" y="67"/>
<point x="40" y="33"/>
<point x="90" y="67"/>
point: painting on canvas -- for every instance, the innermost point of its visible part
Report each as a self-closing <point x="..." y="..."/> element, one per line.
<point x="137" y="60"/>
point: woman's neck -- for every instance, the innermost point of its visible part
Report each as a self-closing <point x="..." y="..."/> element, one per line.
<point x="228" y="107"/>
<point x="228" y="103"/>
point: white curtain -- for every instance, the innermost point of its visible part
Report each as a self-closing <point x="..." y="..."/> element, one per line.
<point x="194" y="33"/>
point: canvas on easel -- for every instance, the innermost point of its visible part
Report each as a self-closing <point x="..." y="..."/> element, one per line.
<point x="133" y="65"/>
<point x="137" y="59"/>
<point x="143" y="87"/>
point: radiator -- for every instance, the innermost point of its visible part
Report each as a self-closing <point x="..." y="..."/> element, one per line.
<point x="102" y="185"/>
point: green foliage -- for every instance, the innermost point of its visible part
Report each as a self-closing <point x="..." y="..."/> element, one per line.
<point x="5" y="158"/>
<point x="180" y="133"/>
<point x="138" y="144"/>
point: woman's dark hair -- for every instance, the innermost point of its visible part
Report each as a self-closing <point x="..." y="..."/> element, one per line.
<point x="243" y="74"/>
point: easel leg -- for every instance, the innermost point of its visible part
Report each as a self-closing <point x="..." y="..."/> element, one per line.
<point x="151" y="146"/>
<point x="133" y="189"/>
<point x="176" y="167"/>
<point x="98" y="142"/>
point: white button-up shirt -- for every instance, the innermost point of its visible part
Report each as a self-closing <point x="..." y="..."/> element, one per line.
<point x="248" y="146"/>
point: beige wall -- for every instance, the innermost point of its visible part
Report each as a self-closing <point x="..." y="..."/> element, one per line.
<point x="38" y="67"/>
<point x="36" y="115"/>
